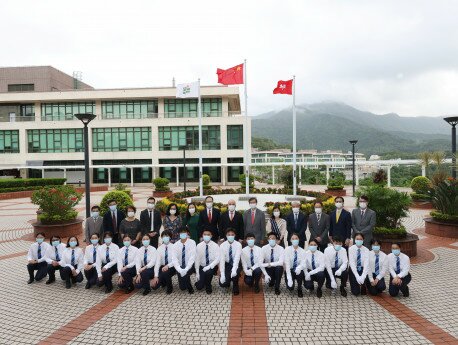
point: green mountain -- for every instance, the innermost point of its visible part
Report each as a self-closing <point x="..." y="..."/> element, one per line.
<point x="330" y="125"/>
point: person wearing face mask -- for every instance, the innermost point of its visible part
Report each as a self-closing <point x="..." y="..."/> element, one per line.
<point x="184" y="257"/>
<point x="164" y="268"/>
<point x="126" y="265"/>
<point x="375" y="281"/>
<point x="90" y="261"/>
<point x="278" y="225"/>
<point x="229" y="266"/>
<point x="72" y="263"/>
<point x="207" y="260"/>
<point x="399" y="267"/>
<point x="145" y="261"/>
<point x="112" y="220"/>
<point x="313" y="267"/>
<point x="358" y="258"/>
<point x="36" y="258"/>
<point x="106" y="263"/>
<point x="172" y="222"/>
<point x="131" y="227"/>
<point x="273" y="258"/>
<point x="294" y="258"/>
<point x="151" y="222"/>
<point x="363" y="220"/>
<point x="53" y="255"/>
<point x="252" y="263"/>
<point x="209" y="219"/>
<point x="340" y="223"/>
<point x="93" y="224"/>
<point x="319" y="226"/>
<point x="231" y="219"/>
<point x="191" y="221"/>
<point x="254" y="221"/>
<point x="296" y="223"/>
<point x="336" y="262"/>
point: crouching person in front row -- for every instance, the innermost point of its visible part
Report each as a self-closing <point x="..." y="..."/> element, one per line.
<point x="294" y="258"/>
<point x="399" y="267"/>
<point x="126" y="265"/>
<point x="106" y="263"/>
<point x="36" y="258"/>
<point x="358" y="258"/>
<point x="229" y="266"/>
<point x="274" y="256"/>
<point x="252" y="263"/>
<point x="90" y="261"/>
<point x="53" y="256"/>
<point x="336" y="266"/>
<point x="72" y="263"/>
<point x="164" y="269"/>
<point x="375" y="281"/>
<point x="184" y="258"/>
<point x="313" y="267"/>
<point x="207" y="259"/>
<point x="146" y="259"/>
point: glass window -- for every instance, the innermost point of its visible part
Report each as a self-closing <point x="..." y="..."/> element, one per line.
<point x="121" y="139"/>
<point x="21" y="87"/>
<point x="235" y="137"/>
<point x="176" y="107"/>
<point x="55" y="140"/>
<point x="172" y="138"/>
<point x="65" y="110"/>
<point x="9" y="141"/>
<point x="129" y="109"/>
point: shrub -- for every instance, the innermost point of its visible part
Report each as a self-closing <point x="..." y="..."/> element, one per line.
<point x="206" y="180"/>
<point x="21" y="189"/>
<point x="122" y="199"/>
<point x="444" y="217"/>
<point x="420" y="197"/>
<point x="420" y="185"/>
<point x="392" y="233"/>
<point x="56" y="203"/>
<point x="445" y="198"/>
<point x="286" y="177"/>
<point x="28" y="182"/>
<point x="242" y="179"/>
<point x="380" y="177"/>
<point x="161" y="184"/>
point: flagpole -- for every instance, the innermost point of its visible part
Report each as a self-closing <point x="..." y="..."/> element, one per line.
<point x="199" y="110"/>
<point x="247" y="166"/>
<point x="294" y="136"/>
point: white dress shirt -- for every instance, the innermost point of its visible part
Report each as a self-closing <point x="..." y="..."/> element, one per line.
<point x="279" y="255"/>
<point x="404" y="263"/>
<point x="289" y="259"/>
<point x="383" y="265"/>
<point x="257" y="258"/>
<point x="330" y="262"/>
<point x="33" y="251"/>
<point x="89" y="254"/>
<point x="113" y="251"/>
<point x="236" y="254"/>
<point x="51" y="253"/>
<point x="131" y="257"/>
<point x="160" y="258"/>
<point x="190" y="254"/>
<point x="66" y="260"/>
<point x="151" y="257"/>
<point x="307" y="264"/>
<point x="352" y="259"/>
<point x="213" y="255"/>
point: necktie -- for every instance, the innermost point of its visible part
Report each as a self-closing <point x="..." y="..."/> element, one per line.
<point x="145" y="257"/>
<point x="94" y="255"/>
<point x="73" y="257"/>
<point x="272" y="259"/>
<point x="337" y="216"/>
<point x="207" y="257"/>
<point x="252" y="217"/>
<point x="57" y="254"/>
<point x="209" y="215"/>
<point x="358" y="260"/>
<point x="126" y="257"/>
<point x="113" y="220"/>
<point x="295" y="220"/>
<point x="151" y="219"/>
<point x="231" y="259"/>
<point x="336" y="261"/>
<point x="295" y="260"/>
<point x="377" y="264"/>
<point x="362" y="213"/>
<point x="318" y="219"/>
<point x="232" y="216"/>
<point x="39" y="251"/>
<point x="107" y="255"/>
<point x="398" y="265"/>
<point x="313" y="262"/>
<point x="251" y="257"/>
<point x="166" y="256"/>
<point x="183" y="256"/>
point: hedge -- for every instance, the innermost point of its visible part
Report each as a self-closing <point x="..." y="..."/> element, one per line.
<point x="21" y="189"/>
<point x="442" y="217"/>
<point x="29" y="182"/>
<point x="392" y="233"/>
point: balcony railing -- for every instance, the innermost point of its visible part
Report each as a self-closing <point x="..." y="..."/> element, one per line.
<point x="17" y="118"/>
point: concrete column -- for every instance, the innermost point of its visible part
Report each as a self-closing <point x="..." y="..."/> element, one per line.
<point x="327" y="174"/>
<point x="42" y="173"/>
<point x="224" y="175"/>
<point x="153" y="172"/>
<point x="23" y="140"/>
<point x="388" y="171"/>
<point x="65" y="175"/>
<point x="131" y="177"/>
<point x="273" y="174"/>
<point x="109" y="177"/>
<point x="300" y="175"/>
<point x="178" y="176"/>
<point x="160" y="108"/>
<point x="37" y="111"/>
<point x="98" y="109"/>
<point x="423" y="170"/>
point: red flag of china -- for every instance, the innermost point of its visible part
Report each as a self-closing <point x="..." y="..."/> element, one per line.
<point x="231" y="76"/>
<point x="284" y="87"/>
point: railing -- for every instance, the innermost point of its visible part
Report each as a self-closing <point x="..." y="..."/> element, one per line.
<point x="17" y="119"/>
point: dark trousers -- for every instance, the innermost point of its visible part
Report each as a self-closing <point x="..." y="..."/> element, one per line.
<point x="205" y="279"/>
<point x="394" y="289"/>
<point x="67" y="275"/>
<point x="343" y="277"/>
<point x="184" y="283"/>
<point x="235" y="280"/>
<point x="318" y="278"/>
<point x="128" y="278"/>
<point x="354" y="285"/>
<point x="299" y="278"/>
<point x="91" y="275"/>
<point x="40" y="267"/>
<point x="52" y="271"/>
<point x="145" y="276"/>
<point x="165" y="278"/>
<point x="275" y="274"/>
<point x="107" y="276"/>
<point x="254" y="278"/>
<point x="377" y="289"/>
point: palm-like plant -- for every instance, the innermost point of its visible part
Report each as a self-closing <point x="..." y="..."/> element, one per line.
<point x="446" y="197"/>
<point x="425" y="158"/>
<point x="438" y="158"/>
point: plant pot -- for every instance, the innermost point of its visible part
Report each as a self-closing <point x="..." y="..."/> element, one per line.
<point x="408" y="244"/>
<point x="422" y="204"/>
<point x="336" y="192"/>
<point x="66" y="229"/>
<point x="162" y="193"/>
<point x="442" y="229"/>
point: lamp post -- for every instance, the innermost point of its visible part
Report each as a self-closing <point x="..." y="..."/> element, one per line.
<point x="453" y="121"/>
<point x="353" y="143"/>
<point x="85" y="119"/>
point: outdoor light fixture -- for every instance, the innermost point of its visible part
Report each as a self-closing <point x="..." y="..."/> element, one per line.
<point x="453" y="121"/>
<point x="353" y="143"/>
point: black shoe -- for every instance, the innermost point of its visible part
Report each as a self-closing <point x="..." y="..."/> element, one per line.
<point x="190" y="290"/>
<point x="146" y="292"/>
<point x="208" y="291"/>
<point x="108" y="290"/>
<point x="30" y="281"/>
<point x="73" y="280"/>
<point x="300" y="294"/>
<point x="169" y="291"/>
<point x="277" y="291"/>
<point x="50" y="281"/>
<point x="68" y="284"/>
<point x="319" y="293"/>
<point x="271" y="284"/>
<point x="406" y="292"/>
<point x="88" y="286"/>
<point x="129" y="289"/>
<point x="343" y="292"/>
<point x="256" y="289"/>
<point x="235" y="293"/>
<point x="363" y="291"/>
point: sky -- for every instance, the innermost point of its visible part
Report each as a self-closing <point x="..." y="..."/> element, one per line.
<point x="380" y="56"/>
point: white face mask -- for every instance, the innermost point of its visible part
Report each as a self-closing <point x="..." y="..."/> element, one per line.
<point x="276" y="214"/>
<point x="318" y="210"/>
<point x="209" y="204"/>
<point x="253" y="206"/>
<point x="130" y="214"/>
<point x="363" y="205"/>
<point x="339" y="205"/>
<point x="150" y="206"/>
<point x="296" y="209"/>
<point x="173" y="211"/>
<point x="192" y="210"/>
<point x="231" y="208"/>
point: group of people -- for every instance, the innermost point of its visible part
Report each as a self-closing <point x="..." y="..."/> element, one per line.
<point x="340" y="247"/>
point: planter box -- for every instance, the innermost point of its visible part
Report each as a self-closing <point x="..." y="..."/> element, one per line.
<point x="74" y="228"/>
<point x="162" y="194"/>
<point x="336" y="192"/>
<point x="422" y="205"/>
<point x="408" y="244"/>
<point x="442" y="229"/>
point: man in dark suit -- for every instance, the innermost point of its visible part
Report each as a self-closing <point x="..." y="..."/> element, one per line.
<point x="254" y="221"/>
<point x="319" y="226"/>
<point x="150" y="220"/>
<point x="340" y="222"/>
<point x="231" y="219"/>
<point x="363" y="220"/>
<point x="209" y="219"/>
<point x="296" y="222"/>
<point x="111" y="220"/>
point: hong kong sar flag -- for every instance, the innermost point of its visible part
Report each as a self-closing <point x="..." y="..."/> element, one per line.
<point x="284" y="87"/>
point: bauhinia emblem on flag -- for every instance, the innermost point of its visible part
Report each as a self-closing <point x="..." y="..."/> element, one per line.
<point x="284" y="87"/>
<point x="231" y="76"/>
<point x="188" y="90"/>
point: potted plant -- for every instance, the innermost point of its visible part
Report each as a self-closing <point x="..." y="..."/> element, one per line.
<point x="421" y="195"/>
<point x="206" y="183"/>
<point x="123" y="188"/>
<point x="56" y="213"/>
<point x="335" y="186"/>
<point x="161" y="187"/>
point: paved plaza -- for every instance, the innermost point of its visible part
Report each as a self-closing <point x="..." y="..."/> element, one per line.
<point x="50" y="314"/>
